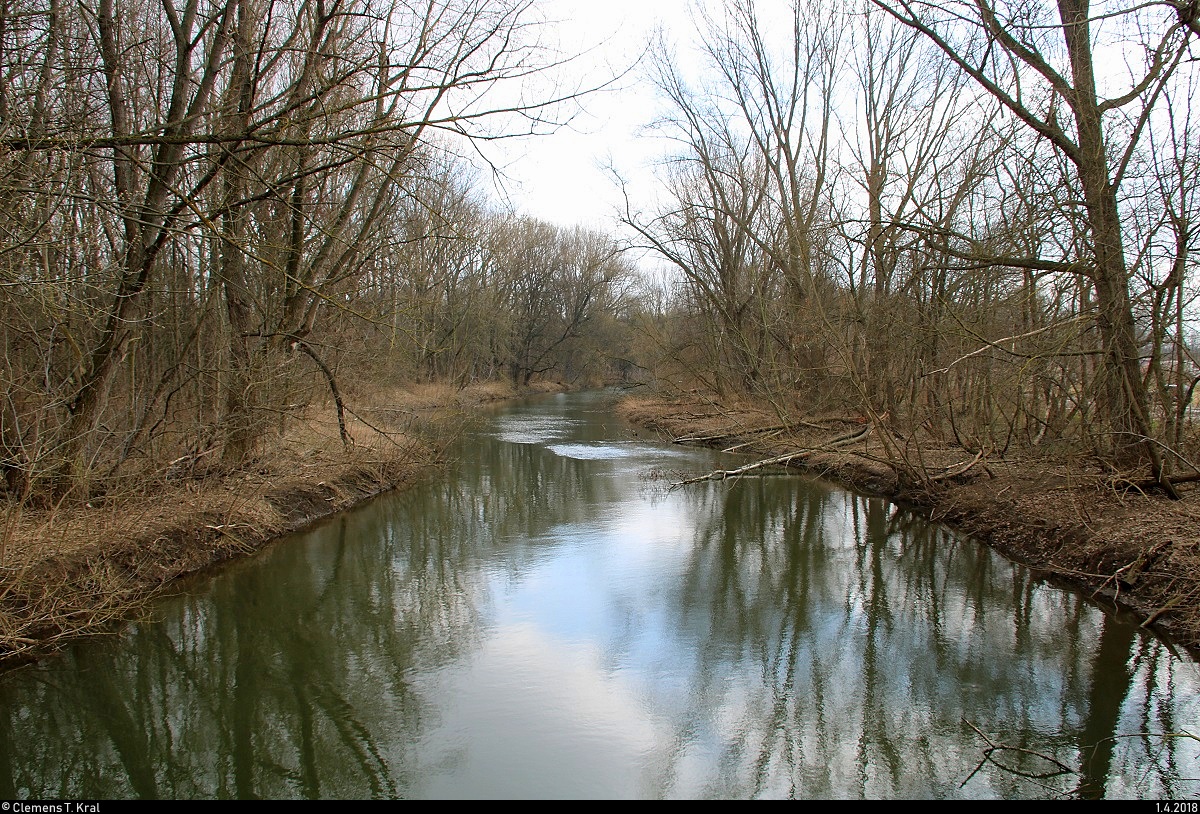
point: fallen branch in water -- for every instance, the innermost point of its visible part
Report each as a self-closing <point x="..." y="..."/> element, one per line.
<point x="989" y="756"/>
<point x="781" y="460"/>
<point x="722" y="474"/>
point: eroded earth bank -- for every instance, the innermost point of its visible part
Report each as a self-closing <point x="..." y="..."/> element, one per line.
<point x="1065" y="517"/>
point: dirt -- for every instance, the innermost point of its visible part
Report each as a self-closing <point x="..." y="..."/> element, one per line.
<point x="1124" y="544"/>
<point x="73" y="571"/>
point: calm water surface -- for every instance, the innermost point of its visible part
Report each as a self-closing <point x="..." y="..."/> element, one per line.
<point x="551" y="620"/>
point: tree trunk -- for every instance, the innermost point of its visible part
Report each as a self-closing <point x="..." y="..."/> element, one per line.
<point x="1125" y="402"/>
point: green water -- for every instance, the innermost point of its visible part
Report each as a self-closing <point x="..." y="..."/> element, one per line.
<point x="550" y="619"/>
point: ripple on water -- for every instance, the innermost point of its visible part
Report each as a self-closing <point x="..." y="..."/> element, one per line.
<point x="519" y="429"/>
<point x="599" y="451"/>
<point x="591" y="452"/>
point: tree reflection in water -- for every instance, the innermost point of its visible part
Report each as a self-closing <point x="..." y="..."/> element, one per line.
<point x="547" y="622"/>
<point x="875" y="640"/>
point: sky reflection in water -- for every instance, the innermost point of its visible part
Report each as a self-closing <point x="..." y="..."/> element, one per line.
<point x="551" y="620"/>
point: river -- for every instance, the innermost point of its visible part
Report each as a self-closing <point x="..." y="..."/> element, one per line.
<point x="551" y="619"/>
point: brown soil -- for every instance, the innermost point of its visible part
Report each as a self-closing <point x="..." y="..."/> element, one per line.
<point x="1063" y="516"/>
<point x="69" y="572"/>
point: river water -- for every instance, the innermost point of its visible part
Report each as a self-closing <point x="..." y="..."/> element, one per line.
<point x="551" y="619"/>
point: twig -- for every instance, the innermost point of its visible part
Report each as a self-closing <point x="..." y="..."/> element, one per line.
<point x="994" y="747"/>
<point x="1170" y="603"/>
<point x="744" y="444"/>
<point x="995" y="344"/>
<point x="731" y="432"/>
<point x="780" y="460"/>
<point x="960" y="469"/>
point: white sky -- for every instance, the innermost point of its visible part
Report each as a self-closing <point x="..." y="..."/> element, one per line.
<point x="561" y="178"/>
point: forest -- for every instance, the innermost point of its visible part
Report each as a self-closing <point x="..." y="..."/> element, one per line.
<point x="971" y="222"/>
<point x="970" y="219"/>
<point x="215" y="212"/>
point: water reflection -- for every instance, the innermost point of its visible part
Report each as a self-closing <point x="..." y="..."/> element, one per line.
<point x="548" y="622"/>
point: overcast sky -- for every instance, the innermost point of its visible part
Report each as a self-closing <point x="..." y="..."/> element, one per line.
<point x="561" y="177"/>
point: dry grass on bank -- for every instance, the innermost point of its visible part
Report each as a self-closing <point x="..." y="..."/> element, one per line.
<point x="1063" y="516"/>
<point x="68" y="571"/>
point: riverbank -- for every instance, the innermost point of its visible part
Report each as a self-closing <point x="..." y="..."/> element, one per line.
<point x="69" y="572"/>
<point x="1062" y="516"/>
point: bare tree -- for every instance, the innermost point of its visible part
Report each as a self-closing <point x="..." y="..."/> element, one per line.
<point x="218" y="174"/>
<point x="552" y="284"/>
<point x="1041" y="64"/>
<point x="751" y="188"/>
